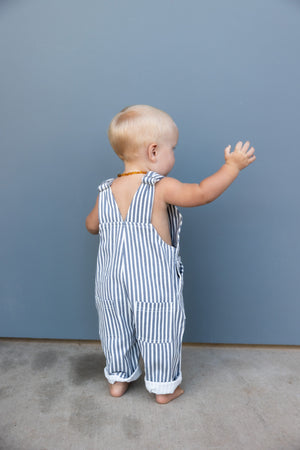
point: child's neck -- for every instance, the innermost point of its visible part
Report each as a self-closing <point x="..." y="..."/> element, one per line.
<point x="135" y="167"/>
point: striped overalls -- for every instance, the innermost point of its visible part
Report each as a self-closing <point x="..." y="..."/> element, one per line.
<point x="138" y="291"/>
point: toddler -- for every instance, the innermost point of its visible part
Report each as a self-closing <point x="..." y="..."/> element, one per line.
<point x="139" y="274"/>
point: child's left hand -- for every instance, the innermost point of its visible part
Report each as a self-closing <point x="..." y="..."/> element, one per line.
<point x="241" y="157"/>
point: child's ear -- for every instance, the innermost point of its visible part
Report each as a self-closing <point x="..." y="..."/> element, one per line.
<point x="152" y="152"/>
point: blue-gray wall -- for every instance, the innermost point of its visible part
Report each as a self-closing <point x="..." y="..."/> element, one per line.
<point x="225" y="71"/>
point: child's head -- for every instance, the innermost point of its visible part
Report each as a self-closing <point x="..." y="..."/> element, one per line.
<point x="136" y="127"/>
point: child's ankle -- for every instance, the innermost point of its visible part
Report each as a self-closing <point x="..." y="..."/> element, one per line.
<point x="166" y="398"/>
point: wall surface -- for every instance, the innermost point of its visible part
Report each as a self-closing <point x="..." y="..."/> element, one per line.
<point x="225" y="71"/>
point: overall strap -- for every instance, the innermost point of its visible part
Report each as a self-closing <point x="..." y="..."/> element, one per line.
<point x="141" y="207"/>
<point x="106" y="209"/>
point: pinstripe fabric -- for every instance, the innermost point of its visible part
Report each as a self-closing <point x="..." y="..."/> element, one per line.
<point x="138" y="291"/>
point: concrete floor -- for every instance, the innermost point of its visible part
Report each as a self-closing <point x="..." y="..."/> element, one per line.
<point x="53" y="395"/>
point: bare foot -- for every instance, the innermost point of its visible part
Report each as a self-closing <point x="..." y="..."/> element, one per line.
<point x="118" y="388"/>
<point x="166" y="398"/>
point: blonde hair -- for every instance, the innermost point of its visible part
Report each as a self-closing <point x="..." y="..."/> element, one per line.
<point x="136" y="127"/>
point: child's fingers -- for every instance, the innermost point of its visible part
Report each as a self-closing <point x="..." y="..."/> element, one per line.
<point x="227" y="150"/>
<point x="238" y="146"/>
<point x="251" y="151"/>
<point x="246" y="146"/>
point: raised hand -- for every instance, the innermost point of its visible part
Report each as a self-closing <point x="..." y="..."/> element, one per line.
<point x="241" y="157"/>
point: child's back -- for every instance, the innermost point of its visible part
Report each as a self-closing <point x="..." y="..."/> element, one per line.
<point x="124" y="189"/>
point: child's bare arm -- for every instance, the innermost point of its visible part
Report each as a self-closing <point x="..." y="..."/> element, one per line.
<point x="92" y="220"/>
<point x="186" y="194"/>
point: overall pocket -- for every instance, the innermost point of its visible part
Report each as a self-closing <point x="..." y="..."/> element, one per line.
<point x="156" y="322"/>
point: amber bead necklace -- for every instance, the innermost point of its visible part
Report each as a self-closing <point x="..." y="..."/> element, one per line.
<point x="130" y="173"/>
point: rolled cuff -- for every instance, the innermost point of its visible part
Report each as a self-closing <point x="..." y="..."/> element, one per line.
<point x="163" y="388"/>
<point x="113" y="378"/>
